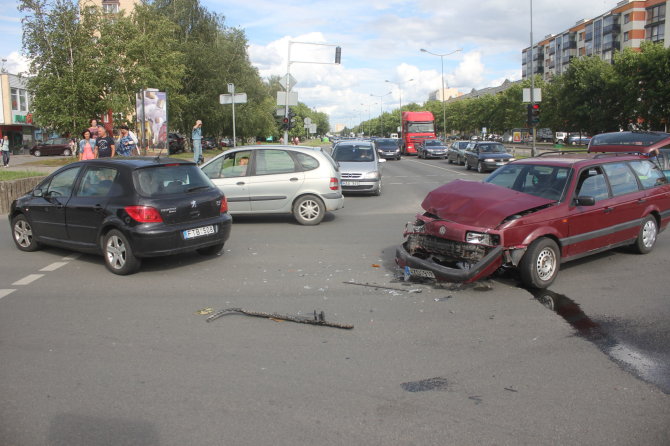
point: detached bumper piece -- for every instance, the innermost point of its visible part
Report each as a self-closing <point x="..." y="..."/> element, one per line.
<point x="318" y="319"/>
<point x="415" y="266"/>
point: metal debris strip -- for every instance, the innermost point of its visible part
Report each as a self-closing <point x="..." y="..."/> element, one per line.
<point x="318" y="318"/>
<point x="372" y="285"/>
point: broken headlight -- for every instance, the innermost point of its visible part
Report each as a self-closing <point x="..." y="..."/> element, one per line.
<point x="479" y="238"/>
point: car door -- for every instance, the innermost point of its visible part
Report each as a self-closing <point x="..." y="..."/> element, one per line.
<point x="231" y="173"/>
<point x="276" y="181"/>
<point x="86" y="209"/>
<point x="629" y="201"/>
<point x="47" y="210"/>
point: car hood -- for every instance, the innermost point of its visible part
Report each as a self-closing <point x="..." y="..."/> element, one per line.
<point x="478" y="204"/>
<point x="358" y="166"/>
<point x="496" y="155"/>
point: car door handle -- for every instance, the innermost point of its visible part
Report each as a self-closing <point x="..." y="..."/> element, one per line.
<point x="294" y="179"/>
<point x="642" y="200"/>
<point x="608" y="210"/>
<point x="97" y="208"/>
<point x="240" y="183"/>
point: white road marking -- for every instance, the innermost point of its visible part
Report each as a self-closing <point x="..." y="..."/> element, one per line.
<point x="6" y="292"/>
<point x="54" y="266"/>
<point x="74" y="256"/>
<point x="438" y="167"/>
<point x="30" y="278"/>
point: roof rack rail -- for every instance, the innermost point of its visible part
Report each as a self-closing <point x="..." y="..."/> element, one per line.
<point x="608" y="154"/>
<point x="562" y="152"/>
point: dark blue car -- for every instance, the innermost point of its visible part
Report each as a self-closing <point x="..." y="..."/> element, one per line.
<point x="486" y="156"/>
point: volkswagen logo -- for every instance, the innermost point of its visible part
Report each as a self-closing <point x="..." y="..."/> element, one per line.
<point x="443" y="230"/>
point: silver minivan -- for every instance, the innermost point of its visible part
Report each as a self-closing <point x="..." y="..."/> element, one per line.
<point x="359" y="166"/>
<point x="278" y="180"/>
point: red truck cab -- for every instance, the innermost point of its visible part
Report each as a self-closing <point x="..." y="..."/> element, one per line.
<point x="416" y="127"/>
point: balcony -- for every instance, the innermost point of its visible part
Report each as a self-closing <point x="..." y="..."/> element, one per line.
<point x="614" y="28"/>
<point x="588" y="36"/>
<point x="566" y="59"/>
<point x="552" y="50"/>
<point x="608" y="46"/>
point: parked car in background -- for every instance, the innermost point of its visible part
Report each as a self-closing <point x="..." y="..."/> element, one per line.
<point x="225" y="142"/>
<point x="544" y="135"/>
<point x="125" y="209"/>
<point x="388" y="148"/>
<point x="536" y="213"/>
<point x="432" y="148"/>
<point x="456" y="152"/>
<point x="176" y="143"/>
<point x="486" y="156"/>
<point x="359" y="166"/>
<point x="53" y="146"/>
<point x="561" y="137"/>
<point x="209" y="143"/>
<point x="278" y="180"/>
<point x="579" y="140"/>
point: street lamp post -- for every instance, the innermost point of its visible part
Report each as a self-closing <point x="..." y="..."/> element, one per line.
<point x="369" y="117"/>
<point x="444" y="112"/>
<point x="399" y="84"/>
<point x="381" y="111"/>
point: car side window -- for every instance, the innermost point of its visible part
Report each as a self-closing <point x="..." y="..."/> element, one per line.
<point x="61" y="184"/>
<point x="272" y="162"/>
<point x="229" y="166"/>
<point x="621" y="178"/>
<point x="648" y="173"/>
<point x="307" y="162"/>
<point x="592" y="184"/>
<point x="97" y="182"/>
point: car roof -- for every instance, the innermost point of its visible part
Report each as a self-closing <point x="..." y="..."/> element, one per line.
<point x="132" y="162"/>
<point x="303" y="149"/>
<point x="629" y="142"/>
<point x="575" y="158"/>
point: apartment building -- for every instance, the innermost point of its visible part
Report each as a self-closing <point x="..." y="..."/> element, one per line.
<point x="625" y="26"/>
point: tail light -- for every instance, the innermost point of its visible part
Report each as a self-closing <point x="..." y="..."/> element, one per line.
<point x="224" y="205"/>
<point x="334" y="184"/>
<point x="144" y="214"/>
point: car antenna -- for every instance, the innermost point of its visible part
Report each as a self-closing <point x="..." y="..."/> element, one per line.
<point x="160" y="152"/>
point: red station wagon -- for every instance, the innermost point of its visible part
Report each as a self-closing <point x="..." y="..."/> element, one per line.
<point x="535" y="213"/>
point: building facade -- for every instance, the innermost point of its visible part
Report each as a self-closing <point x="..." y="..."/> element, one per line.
<point x="444" y="95"/>
<point x="626" y="26"/>
<point x="15" y="117"/>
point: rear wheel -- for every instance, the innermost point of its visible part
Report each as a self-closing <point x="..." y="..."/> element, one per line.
<point x="646" y="239"/>
<point x="309" y="210"/>
<point x="119" y="256"/>
<point x="23" y="234"/>
<point x="67" y="152"/>
<point x="539" y="266"/>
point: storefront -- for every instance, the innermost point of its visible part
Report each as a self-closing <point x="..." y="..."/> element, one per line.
<point x="15" y="118"/>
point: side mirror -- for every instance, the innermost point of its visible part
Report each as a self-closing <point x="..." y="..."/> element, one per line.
<point x="37" y="193"/>
<point x="585" y="200"/>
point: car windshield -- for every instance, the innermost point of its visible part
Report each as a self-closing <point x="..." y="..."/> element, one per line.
<point x="170" y="179"/>
<point x="420" y="127"/>
<point x="353" y="152"/>
<point x="492" y="148"/>
<point x="433" y="142"/>
<point x="628" y="138"/>
<point x="538" y="180"/>
<point x="387" y="143"/>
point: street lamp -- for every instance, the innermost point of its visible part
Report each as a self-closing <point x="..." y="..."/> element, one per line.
<point x="444" y="112"/>
<point x="398" y="84"/>
<point x="369" y="117"/>
<point x="381" y="106"/>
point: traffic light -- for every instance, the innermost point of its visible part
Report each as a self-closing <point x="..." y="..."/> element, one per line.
<point x="535" y="114"/>
<point x="285" y="124"/>
<point x="290" y="121"/>
<point x="338" y="55"/>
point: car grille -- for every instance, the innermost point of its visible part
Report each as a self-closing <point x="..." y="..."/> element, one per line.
<point x="351" y="175"/>
<point x="429" y="244"/>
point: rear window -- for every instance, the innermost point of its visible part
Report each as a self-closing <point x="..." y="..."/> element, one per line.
<point x="167" y="179"/>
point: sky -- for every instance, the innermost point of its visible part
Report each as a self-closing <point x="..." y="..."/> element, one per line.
<point x="380" y="40"/>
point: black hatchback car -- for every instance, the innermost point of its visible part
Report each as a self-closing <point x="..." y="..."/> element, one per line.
<point x="124" y="209"/>
<point x="486" y="155"/>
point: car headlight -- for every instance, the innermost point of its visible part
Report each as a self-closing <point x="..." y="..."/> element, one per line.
<point x="512" y="159"/>
<point x="479" y="238"/>
<point x="371" y="175"/>
<point x="489" y="160"/>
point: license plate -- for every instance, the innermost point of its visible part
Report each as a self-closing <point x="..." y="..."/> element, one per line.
<point x="198" y="232"/>
<point x="500" y="164"/>
<point x="418" y="272"/>
<point x="349" y="183"/>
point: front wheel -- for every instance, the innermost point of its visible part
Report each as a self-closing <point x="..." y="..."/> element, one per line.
<point x="67" y="152"/>
<point x="480" y="167"/>
<point x="646" y="238"/>
<point x="119" y="256"/>
<point x="378" y="191"/>
<point x="539" y="266"/>
<point x="309" y="210"/>
<point x="23" y="234"/>
<point x="467" y="164"/>
<point x="37" y="153"/>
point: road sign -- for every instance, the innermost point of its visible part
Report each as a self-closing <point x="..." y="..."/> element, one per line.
<point x="292" y="98"/>
<point x="291" y="82"/>
<point x="537" y="95"/>
<point x="312" y="128"/>
<point x="240" y="98"/>
<point x="308" y="121"/>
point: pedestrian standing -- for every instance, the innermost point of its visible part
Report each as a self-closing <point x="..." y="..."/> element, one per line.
<point x="196" y="136"/>
<point x="4" y="147"/>
<point x="94" y="128"/>
<point x="86" y="146"/>
<point x="127" y="146"/>
<point x="104" y="145"/>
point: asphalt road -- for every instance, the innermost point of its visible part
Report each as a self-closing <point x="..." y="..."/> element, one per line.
<point x="89" y="358"/>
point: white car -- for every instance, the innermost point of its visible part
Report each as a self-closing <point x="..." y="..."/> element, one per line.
<point x="278" y="180"/>
<point x="359" y="166"/>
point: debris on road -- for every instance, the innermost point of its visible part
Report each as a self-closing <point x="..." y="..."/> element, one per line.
<point x="443" y="299"/>
<point x="318" y="319"/>
<point x="205" y="311"/>
<point x="372" y="285"/>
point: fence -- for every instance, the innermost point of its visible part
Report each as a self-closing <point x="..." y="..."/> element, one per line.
<point x="12" y="189"/>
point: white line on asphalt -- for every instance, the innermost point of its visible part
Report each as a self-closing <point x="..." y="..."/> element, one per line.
<point x="74" y="256"/>
<point x="54" y="266"/>
<point x="28" y="279"/>
<point x="6" y="292"/>
<point x="438" y="167"/>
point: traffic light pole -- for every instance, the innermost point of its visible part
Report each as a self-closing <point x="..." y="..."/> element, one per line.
<point x="532" y="79"/>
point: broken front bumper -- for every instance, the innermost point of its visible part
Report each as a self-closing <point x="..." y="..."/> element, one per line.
<point x="420" y="267"/>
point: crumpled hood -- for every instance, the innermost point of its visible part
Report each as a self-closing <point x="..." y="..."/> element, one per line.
<point x="478" y="204"/>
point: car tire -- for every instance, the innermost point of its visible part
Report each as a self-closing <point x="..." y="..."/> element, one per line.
<point x="560" y="141"/>
<point x="309" y="210"/>
<point x="540" y="264"/>
<point x="67" y="152"/>
<point x="22" y="234"/>
<point x="119" y="256"/>
<point x="450" y="161"/>
<point x="466" y="164"/>
<point x="37" y="153"/>
<point x="480" y="167"/>
<point x="398" y="158"/>
<point x="378" y="191"/>
<point x="210" y="250"/>
<point x="646" y="239"/>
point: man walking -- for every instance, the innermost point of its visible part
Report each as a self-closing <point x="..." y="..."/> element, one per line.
<point x="4" y="147"/>
<point x="196" y="136"/>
